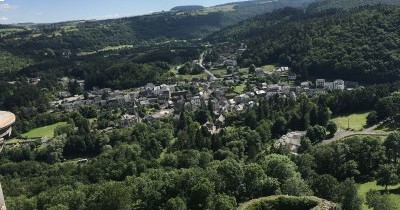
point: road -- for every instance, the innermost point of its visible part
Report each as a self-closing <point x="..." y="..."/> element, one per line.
<point x="341" y="134"/>
<point x="210" y="74"/>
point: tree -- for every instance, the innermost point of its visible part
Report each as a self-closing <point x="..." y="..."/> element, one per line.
<point x="385" y="108"/>
<point x="176" y="204"/>
<point x="305" y="145"/>
<point x="387" y="175"/>
<point x="372" y="118"/>
<point x="264" y="130"/>
<point x="21" y="203"/>
<point x="252" y="69"/>
<point x="58" y="207"/>
<point x="201" y="194"/>
<point x="251" y="119"/>
<point x="182" y="122"/>
<point x="279" y="128"/>
<point x="201" y="116"/>
<point x="279" y="166"/>
<point x="316" y="133"/>
<point x="332" y="128"/>
<point x="325" y="186"/>
<point x="349" y="169"/>
<point x="253" y="179"/>
<point x="296" y="186"/>
<point x="231" y="177"/>
<point x="224" y="202"/>
<point x="378" y="201"/>
<point x="392" y="145"/>
<point x="88" y="111"/>
<point x="348" y="196"/>
<point x="74" y="88"/>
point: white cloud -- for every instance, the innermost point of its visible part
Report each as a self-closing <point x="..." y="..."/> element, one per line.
<point x="7" y="7"/>
<point x="2" y="18"/>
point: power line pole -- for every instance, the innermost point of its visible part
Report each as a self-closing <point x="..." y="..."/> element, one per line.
<point x="348" y="123"/>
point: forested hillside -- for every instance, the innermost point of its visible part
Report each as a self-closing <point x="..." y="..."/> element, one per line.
<point x="34" y="43"/>
<point x="95" y="35"/>
<point x="360" y="44"/>
<point x="348" y="4"/>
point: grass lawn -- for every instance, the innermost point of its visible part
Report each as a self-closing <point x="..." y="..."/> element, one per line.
<point x="240" y="88"/>
<point x="244" y="70"/>
<point x="270" y="68"/>
<point x="46" y="131"/>
<point x="357" y="121"/>
<point x="11" y="30"/>
<point x="190" y="77"/>
<point x="219" y="72"/>
<point x="364" y="188"/>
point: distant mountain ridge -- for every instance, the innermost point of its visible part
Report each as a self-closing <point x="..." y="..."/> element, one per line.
<point x="187" y="8"/>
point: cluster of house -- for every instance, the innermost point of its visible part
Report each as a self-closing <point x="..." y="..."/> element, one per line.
<point x="189" y="96"/>
<point x="170" y="99"/>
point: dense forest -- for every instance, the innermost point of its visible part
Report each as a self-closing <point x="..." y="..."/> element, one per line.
<point x="360" y="44"/>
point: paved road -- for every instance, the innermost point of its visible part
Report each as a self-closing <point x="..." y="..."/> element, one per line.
<point x="210" y="74"/>
<point x="341" y="134"/>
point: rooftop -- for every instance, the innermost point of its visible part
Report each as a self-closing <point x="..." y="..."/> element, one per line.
<point x="6" y="119"/>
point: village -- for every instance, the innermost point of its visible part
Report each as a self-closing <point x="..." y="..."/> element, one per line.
<point x="226" y="88"/>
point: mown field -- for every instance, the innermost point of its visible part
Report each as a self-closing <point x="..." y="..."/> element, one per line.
<point x="364" y="188"/>
<point x="189" y="77"/>
<point x="357" y="122"/>
<point x="45" y="131"/>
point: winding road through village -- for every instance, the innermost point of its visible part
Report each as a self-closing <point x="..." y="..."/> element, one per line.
<point x="209" y="73"/>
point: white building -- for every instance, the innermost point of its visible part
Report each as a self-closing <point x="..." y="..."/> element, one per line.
<point x="338" y="85"/>
<point x="305" y="85"/>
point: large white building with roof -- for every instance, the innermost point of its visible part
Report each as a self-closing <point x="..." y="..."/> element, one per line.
<point x="7" y="119"/>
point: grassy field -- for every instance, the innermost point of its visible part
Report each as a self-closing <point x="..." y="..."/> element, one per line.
<point x="364" y="188"/>
<point x="46" y="131"/>
<point x="11" y="30"/>
<point x="270" y="68"/>
<point x="222" y="8"/>
<point x="108" y="48"/>
<point x="240" y="88"/>
<point x="190" y="77"/>
<point x="357" y="121"/>
<point x="219" y="72"/>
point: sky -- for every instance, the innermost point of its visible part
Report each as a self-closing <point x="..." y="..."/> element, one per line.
<point x="49" y="11"/>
